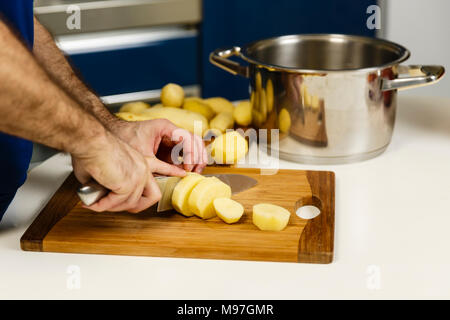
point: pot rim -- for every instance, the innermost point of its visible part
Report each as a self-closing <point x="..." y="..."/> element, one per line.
<point x="403" y="53"/>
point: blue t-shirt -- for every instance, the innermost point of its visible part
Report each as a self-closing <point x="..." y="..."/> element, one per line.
<point x="15" y="153"/>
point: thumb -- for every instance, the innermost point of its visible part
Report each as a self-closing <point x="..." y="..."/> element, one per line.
<point x="164" y="168"/>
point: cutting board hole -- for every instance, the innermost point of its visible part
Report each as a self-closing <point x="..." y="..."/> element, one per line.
<point x="308" y="208"/>
<point x="308" y="212"/>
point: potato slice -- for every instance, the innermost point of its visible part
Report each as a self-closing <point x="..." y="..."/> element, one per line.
<point x="172" y="95"/>
<point x="182" y="191"/>
<point x="197" y="105"/>
<point x="228" y="210"/>
<point x="284" y="121"/>
<point x="229" y="148"/>
<point x="269" y="217"/>
<point x="222" y="121"/>
<point x="134" y="107"/>
<point x="243" y="113"/>
<point x="180" y="117"/>
<point x="220" y="104"/>
<point x="203" y="195"/>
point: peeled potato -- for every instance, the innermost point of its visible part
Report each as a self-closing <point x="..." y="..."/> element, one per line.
<point x="228" y="210"/>
<point x="197" y="105"/>
<point x="222" y="121"/>
<point x="172" y="95"/>
<point x="284" y="120"/>
<point x="134" y="107"/>
<point x="220" y="105"/>
<point x="182" y="191"/>
<point x="229" y="148"/>
<point x="180" y="117"/>
<point x="243" y="113"/>
<point x="211" y="133"/>
<point x="128" y="116"/>
<point x="203" y="195"/>
<point x="269" y="217"/>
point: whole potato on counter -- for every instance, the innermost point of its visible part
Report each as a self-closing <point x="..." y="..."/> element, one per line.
<point x="180" y="117"/>
<point x="172" y="95"/>
<point x="197" y="105"/>
<point x="243" y="113"/>
<point x="219" y="105"/>
<point x="222" y="121"/>
<point x="128" y="116"/>
<point x="134" y="107"/>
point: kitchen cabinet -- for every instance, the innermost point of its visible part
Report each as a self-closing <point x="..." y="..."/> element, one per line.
<point x="127" y="50"/>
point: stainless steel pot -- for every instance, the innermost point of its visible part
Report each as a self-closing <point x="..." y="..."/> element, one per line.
<point x="332" y="96"/>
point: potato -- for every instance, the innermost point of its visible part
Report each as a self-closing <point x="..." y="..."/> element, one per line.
<point x="134" y="107"/>
<point x="182" y="191"/>
<point x="229" y="148"/>
<point x="228" y="210"/>
<point x="172" y="95"/>
<point x="269" y="217"/>
<point x="222" y="121"/>
<point x="128" y="116"/>
<point x="269" y="95"/>
<point x="211" y="133"/>
<point x="197" y="105"/>
<point x="203" y="195"/>
<point x="243" y="113"/>
<point x="284" y="120"/>
<point x="180" y="117"/>
<point x="220" y="105"/>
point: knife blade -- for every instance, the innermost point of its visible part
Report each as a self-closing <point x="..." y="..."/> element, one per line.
<point x="91" y="192"/>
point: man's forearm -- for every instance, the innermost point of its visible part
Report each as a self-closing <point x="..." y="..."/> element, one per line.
<point x="57" y="66"/>
<point x="35" y="108"/>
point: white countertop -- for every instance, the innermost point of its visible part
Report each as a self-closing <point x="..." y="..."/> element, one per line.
<point x="391" y="237"/>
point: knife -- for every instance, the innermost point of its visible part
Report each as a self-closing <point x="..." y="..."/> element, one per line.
<point x="92" y="191"/>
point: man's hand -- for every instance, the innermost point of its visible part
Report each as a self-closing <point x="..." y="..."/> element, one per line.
<point x="121" y="169"/>
<point x="155" y="139"/>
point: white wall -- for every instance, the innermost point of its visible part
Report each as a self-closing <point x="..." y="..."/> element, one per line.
<point x="422" y="26"/>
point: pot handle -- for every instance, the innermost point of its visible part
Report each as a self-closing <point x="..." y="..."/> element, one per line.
<point x="419" y="76"/>
<point x="219" y="59"/>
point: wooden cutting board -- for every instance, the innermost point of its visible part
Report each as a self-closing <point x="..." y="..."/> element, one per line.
<point x="64" y="226"/>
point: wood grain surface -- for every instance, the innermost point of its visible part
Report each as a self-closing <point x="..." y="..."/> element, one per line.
<point x="65" y="226"/>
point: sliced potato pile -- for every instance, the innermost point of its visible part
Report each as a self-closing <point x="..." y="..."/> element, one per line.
<point x="203" y="195"/>
<point x="182" y="192"/>
<point x="207" y="197"/>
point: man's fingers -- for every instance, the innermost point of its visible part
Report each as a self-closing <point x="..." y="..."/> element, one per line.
<point x="150" y="196"/>
<point x="130" y="203"/>
<point x="164" y="168"/>
<point x="111" y="200"/>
